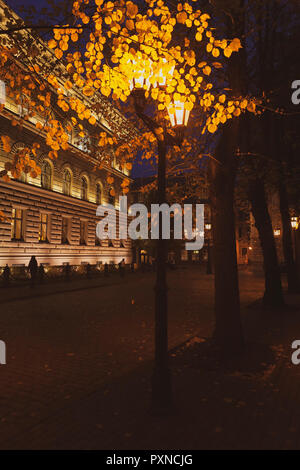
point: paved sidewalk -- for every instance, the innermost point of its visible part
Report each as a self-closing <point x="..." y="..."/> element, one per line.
<point x="55" y="286"/>
<point x="79" y="368"/>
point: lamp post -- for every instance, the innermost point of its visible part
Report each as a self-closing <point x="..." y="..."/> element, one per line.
<point x="208" y="266"/>
<point x="294" y="225"/>
<point x="161" y="379"/>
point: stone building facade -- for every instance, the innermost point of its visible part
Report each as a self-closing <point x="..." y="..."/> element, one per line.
<point x="53" y="216"/>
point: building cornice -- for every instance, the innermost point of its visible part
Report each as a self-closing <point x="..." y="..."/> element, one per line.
<point x="48" y="193"/>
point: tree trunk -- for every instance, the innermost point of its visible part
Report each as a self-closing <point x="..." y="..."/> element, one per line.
<point x="228" y="330"/>
<point x="273" y="296"/>
<point x="287" y="242"/>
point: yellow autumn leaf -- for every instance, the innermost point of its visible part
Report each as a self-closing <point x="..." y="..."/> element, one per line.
<point x="58" y="53"/>
<point x="235" y="45"/>
<point x="52" y="44"/>
<point x="227" y="52"/>
<point x="181" y="17"/>
<point x="212" y="128"/>
<point x="132" y="9"/>
<point x="207" y="70"/>
<point x="92" y="120"/>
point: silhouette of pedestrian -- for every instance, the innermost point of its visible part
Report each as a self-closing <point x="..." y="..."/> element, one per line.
<point x="122" y="268"/>
<point x="41" y="273"/>
<point x="67" y="272"/>
<point x="6" y="276"/>
<point x="33" y="269"/>
<point x="106" y="270"/>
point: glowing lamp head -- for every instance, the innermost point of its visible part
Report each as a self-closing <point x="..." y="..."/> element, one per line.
<point x="294" y="222"/>
<point x="277" y="232"/>
<point x="139" y="73"/>
<point x="161" y="75"/>
<point x="208" y="226"/>
<point x="178" y="114"/>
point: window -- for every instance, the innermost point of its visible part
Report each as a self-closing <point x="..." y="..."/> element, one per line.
<point x="67" y="180"/>
<point x="17" y="224"/>
<point x="23" y="177"/>
<point x="83" y="143"/>
<point x="46" y="176"/>
<point x="84" y="189"/>
<point x="83" y="232"/>
<point x="65" y="231"/>
<point x="111" y="196"/>
<point x="98" y="194"/>
<point x="44" y="228"/>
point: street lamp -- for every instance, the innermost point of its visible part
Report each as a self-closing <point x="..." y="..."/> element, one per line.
<point x="294" y="222"/>
<point x="208" y="266"/>
<point x="140" y="69"/>
<point x="178" y="114"/>
<point x="161" y="379"/>
<point x="295" y="225"/>
<point x="160" y="75"/>
<point x="277" y="232"/>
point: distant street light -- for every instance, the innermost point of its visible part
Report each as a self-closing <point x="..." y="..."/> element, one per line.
<point x="295" y="225"/>
<point x="294" y="222"/>
<point x="277" y="232"/>
<point x="208" y="265"/>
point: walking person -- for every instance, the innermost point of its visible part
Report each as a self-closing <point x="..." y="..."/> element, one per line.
<point x="41" y="273"/>
<point x="122" y="268"/>
<point x="105" y="270"/>
<point x="6" y="276"/>
<point x="67" y="272"/>
<point x="33" y="269"/>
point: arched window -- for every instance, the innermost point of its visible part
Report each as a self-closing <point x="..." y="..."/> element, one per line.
<point x="84" y="189"/>
<point x="111" y="196"/>
<point x="98" y="194"/>
<point x="67" y="181"/>
<point x="46" y="175"/>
